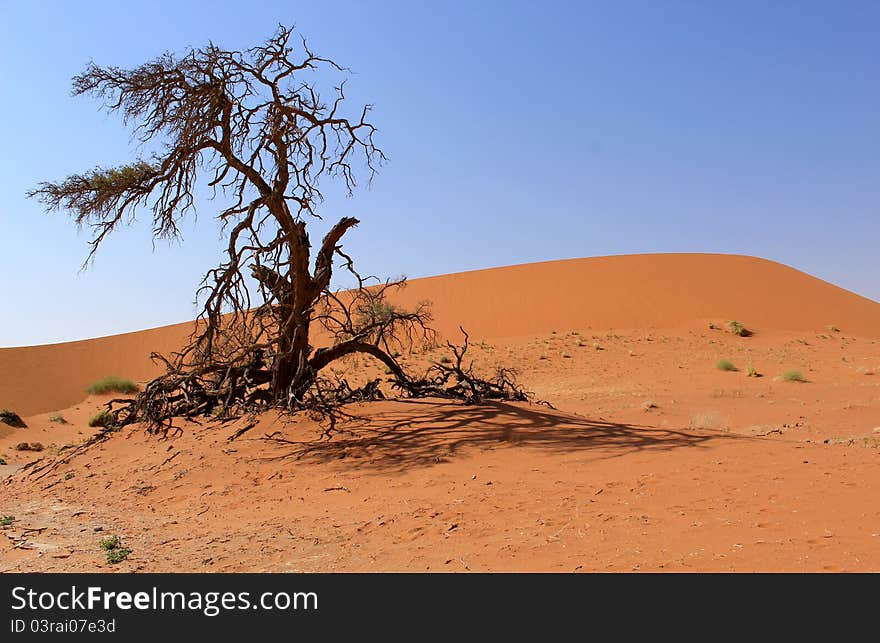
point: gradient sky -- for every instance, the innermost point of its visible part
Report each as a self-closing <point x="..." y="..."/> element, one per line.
<point x="516" y="132"/>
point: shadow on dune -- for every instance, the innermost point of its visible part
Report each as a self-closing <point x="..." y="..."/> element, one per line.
<point x="425" y="432"/>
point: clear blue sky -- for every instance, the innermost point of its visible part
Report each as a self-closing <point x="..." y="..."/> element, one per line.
<point x="516" y="131"/>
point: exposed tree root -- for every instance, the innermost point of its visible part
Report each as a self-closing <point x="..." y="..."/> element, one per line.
<point x="228" y="392"/>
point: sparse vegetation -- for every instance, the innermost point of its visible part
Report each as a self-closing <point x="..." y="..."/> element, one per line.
<point x="725" y="365"/>
<point x="2" y="461"/>
<point x="101" y="418"/>
<point x="712" y="326"/>
<point x="5" y="521"/>
<point x="57" y="419"/>
<point x="793" y="376"/>
<point x="751" y="371"/>
<point x="648" y="405"/>
<point x="116" y="553"/>
<point x="738" y="329"/>
<point x="445" y="360"/>
<point x="833" y="328"/>
<point x="112" y="384"/>
<point x="12" y="419"/>
<point x="565" y="355"/>
<point x="597" y="346"/>
<point x="69" y="475"/>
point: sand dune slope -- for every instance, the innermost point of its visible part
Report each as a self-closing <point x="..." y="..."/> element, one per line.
<point x="35" y="379"/>
<point x="637" y="291"/>
<point x="642" y="291"/>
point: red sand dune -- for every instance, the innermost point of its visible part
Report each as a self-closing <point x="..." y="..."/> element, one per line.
<point x="642" y="291"/>
<point x="636" y="291"/>
<point x="655" y="459"/>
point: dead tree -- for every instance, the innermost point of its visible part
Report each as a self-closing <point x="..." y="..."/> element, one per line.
<point x="255" y="125"/>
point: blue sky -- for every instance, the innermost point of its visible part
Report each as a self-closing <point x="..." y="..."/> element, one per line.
<point x="516" y="132"/>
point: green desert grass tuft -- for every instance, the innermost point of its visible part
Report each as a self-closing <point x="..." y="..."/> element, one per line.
<point x="738" y="329"/>
<point x="793" y="376"/>
<point x="725" y="365"/>
<point x="101" y="418"/>
<point x="112" y="384"/>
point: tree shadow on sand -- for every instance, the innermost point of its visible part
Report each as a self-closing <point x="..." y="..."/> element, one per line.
<point x="425" y="432"/>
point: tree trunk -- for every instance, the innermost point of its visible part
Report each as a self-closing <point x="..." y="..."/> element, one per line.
<point x="293" y="374"/>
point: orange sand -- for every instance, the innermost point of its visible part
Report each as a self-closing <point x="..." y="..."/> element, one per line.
<point x="654" y="460"/>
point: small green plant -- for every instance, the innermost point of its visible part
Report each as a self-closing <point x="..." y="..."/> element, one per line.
<point x="725" y="365"/>
<point x="101" y="418"/>
<point x="833" y="328"/>
<point x="597" y="346"/>
<point x="737" y="328"/>
<point x="112" y="384"/>
<point x="116" y="553"/>
<point x="2" y="462"/>
<point x="566" y="355"/>
<point x="712" y="326"/>
<point x="793" y="376"/>
<point x="69" y="475"/>
<point x="542" y="356"/>
<point x="751" y="371"/>
<point x="12" y="419"/>
<point x="57" y="419"/>
<point x="5" y="521"/>
<point x="445" y="360"/>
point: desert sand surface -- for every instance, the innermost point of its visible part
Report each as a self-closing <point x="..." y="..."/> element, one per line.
<point x="650" y="457"/>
